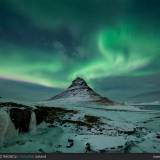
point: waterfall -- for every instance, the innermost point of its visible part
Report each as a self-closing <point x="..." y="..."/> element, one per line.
<point x="33" y="123"/>
<point x="7" y="128"/>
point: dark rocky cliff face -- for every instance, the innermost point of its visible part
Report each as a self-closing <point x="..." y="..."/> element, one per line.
<point x="20" y="114"/>
<point x="21" y="119"/>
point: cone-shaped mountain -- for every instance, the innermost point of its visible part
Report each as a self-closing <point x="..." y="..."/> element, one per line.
<point x="80" y="90"/>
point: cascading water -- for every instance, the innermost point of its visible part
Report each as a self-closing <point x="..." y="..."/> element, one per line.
<point x="3" y="125"/>
<point x="33" y="123"/>
<point x="7" y="128"/>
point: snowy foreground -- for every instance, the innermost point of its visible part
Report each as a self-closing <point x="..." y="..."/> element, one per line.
<point x="86" y="127"/>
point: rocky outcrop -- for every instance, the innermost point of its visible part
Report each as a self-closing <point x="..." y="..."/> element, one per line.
<point x="51" y="114"/>
<point x="20" y="114"/>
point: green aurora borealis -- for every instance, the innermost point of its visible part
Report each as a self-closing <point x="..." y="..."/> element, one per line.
<point x="52" y="42"/>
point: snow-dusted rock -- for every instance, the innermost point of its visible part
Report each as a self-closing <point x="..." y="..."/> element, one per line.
<point x="80" y="91"/>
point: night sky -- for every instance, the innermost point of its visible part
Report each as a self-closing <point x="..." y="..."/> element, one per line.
<point x="50" y="42"/>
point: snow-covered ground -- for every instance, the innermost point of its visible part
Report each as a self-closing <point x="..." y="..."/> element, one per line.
<point x="119" y="129"/>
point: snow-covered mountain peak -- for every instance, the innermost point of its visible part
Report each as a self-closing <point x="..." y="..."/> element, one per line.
<point x="80" y="91"/>
<point x="78" y="83"/>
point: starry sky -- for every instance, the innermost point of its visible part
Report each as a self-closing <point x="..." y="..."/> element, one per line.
<point x="50" y="42"/>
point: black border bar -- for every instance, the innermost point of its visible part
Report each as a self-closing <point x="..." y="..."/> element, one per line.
<point x="79" y="156"/>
